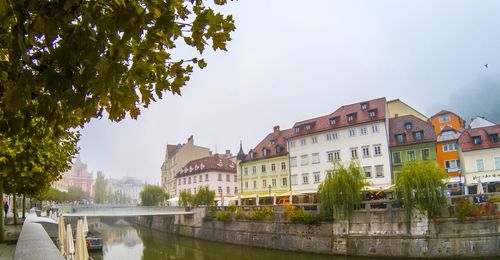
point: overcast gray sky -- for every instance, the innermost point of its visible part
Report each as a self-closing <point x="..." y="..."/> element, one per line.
<point x="294" y="60"/>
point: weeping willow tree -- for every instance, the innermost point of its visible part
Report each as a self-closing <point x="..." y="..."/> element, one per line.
<point x="340" y="192"/>
<point x="420" y="185"/>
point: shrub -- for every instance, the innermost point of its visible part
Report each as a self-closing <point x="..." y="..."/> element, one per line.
<point x="261" y="214"/>
<point x="465" y="209"/>
<point x="232" y="208"/>
<point x="209" y="216"/>
<point x="295" y="214"/>
<point x="224" y="216"/>
<point x="239" y="215"/>
<point x="311" y="219"/>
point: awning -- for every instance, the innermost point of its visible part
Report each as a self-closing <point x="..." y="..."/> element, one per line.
<point x="490" y="179"/>
<point x="174" y="199"/>
<point x="379" y="188"/>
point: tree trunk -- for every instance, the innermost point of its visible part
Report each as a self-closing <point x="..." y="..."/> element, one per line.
<point x="2" y="217"/>
<point x="24" y="206"/>
<point x="14" y="209"/>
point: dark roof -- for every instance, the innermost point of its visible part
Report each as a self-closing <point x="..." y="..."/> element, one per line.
<point x="322" y="123"/>
<point x="466" y="138"/>
<point x="270" y="142"/>
<point x="171" y="149"/>
<point x="444" y="112"/>
<point x="210" y="163"/>
<point x="397" y="126"/>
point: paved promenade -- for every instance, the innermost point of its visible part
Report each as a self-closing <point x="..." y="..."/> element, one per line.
<point x="8" y="247"/>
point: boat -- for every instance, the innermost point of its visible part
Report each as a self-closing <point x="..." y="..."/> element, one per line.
<point x="94" y="240"/>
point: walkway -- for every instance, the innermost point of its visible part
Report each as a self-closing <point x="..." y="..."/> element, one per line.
<point x="103" y="211"/>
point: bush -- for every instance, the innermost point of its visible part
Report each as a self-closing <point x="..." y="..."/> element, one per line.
<point x="311" y="219"/>
<point x="239" y="215"/>
<point x="465" y="209"/>
<point x="224" y="216"/>
<point x="297" y="215"/>
<point x="232" y="208"/>
<point x="209" y="216"/>
<point x="261" y="214"/>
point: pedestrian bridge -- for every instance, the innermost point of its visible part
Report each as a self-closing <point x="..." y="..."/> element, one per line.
<point x="114" y="211"/>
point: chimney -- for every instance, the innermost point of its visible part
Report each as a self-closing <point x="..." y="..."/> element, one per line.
<point x="276" y="129"/>
<point x="228" y="152"/>
<point x="210" y="152"/>
<point x="190" y="139"/>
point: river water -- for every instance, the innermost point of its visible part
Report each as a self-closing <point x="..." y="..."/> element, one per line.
<point x="124" y="241"/>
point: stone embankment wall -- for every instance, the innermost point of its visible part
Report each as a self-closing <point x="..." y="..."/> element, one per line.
<point x="376" y="232"/>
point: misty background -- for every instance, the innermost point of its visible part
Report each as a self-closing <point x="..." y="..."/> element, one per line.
<point x="292" y="60"/>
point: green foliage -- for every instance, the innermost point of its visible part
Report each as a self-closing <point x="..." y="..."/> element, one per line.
<point x="297" y="215"/>
<point x="152" y="195"/>
<point x="420" y="185"/>
<point x="232" y="208"/>
<point x="265" y="213"/>
<point x="185" y="198"/>
<point x="465" y="209"/>
<point x="224" y="216"/>
<point x="239" y="215"/>
<point x="76" y="194"/>
<point x="209" y="216"/>
<point x="100" y="195"/>
<point x="203" y="197"/>
<point x="340" y="192"/>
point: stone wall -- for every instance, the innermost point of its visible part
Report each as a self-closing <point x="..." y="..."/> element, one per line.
<point x="376" y="232"/>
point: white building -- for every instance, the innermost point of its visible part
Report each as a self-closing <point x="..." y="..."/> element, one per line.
<point x="128" y="187"/>
<point x="355" y="131"/>
<point x="218" y="172"/>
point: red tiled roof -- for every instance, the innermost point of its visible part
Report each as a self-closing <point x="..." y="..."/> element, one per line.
<point x="444" y="112"/>
<point x="397" y="126"/>
<point x="209" y="163"/>
<point x="322" y="123"/>
<point x="466" y="142"/>
<point x="271" y="142"/>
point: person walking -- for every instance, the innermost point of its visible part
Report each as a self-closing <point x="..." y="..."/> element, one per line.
<point x="5" y="206"/>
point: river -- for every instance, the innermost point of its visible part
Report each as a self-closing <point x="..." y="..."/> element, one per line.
<point x="124" y="241"/>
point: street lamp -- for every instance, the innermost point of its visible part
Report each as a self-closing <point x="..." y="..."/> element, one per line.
<point x="269" y="191"/>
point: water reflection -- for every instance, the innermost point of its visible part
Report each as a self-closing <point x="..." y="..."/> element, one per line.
<point x="124" y="241"/>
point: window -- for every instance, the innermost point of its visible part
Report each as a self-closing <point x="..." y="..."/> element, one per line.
<point x="245" y="170"/>
<point x="334" y="121"/>
<point x="368" y="171"/>
<point x="305" y="178"/>
<point x="302" y="142"/>
<point x="297" y="129"/>
<point x="497" y="163"/>
<point x="264" y="152"/>
<point x="411" y="155"/>
<point x="279" y="149"/>
<point x="425" y="154"/>
<point x="201" y="178"/>
<point x="336" y="155"/>
<point x="444" y="118"/>
<point x="255" y="184"/>
<point x="476" y="140"/>
<point x="273" y="181"/>
<point x="379" y="170"/>
<point x="374" y="128"/>
<point x="184" y="181"/>
<point x="246" y="185"/>
<point x="317" y="178"/>
<point x="396" y="157"/>
<point x="315" y="158"/>
<point x="235" y="190"/>
<point x="372" y="113"/>
<point x="284" y="182"/>
<point x="408" y="126"/>
<point x="366" y="151"/>
<point x="351" y="117"/>
<point x="292" y="144"/>
<point x="206" y="177"/>
<point x="314" y="140"/>
<point x="228" y="190"/>
<point x="264" y="183"/>
<point x="228" y="178"/>
<point x="220" y="189"/>
<point x="263" y="168"/>
<point x="194" y="179"/>
<point x="293" y="161"/>
<point x="352" y="132"/>
<point x="494" y="138"/>
<point x="480" y="165"/>
<point x="235" y="178"/>
<point x="450" y="147"/>
<point x="254" y="169"/>
<point x="294" y="179"/>
<point x="189" y="180"/>
<point x="273" y="167"/>
<point x="283" y="165"/>
<point x="331" y="136"/>
<point x="308" y="127"/>
<point x="377" y="150"/>
<point x="400" y="138"/>
<point x="252" y="154"/>
<point x="329" y="155"/>
<point x="451" y="164"/>
<point x="363" y="131"/>
<point x="219" y="177"/>
<point x="180" y="181"/>
<point x="194" y="189"/>
<point x="304" y="160"/>
<point x="364" y="106"/>
<point x="418" y="135"/>
<point x="354" y="153"/>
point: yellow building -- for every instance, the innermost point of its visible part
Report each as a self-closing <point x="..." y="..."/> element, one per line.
<point x="399" y="108"/>
<point x="264" y="171"/>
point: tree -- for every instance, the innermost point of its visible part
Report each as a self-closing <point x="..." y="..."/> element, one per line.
<point x="152" y="195"/>
<point x="75" y="194"/>
<point x="100" y="189"/>
<point x="204" y="197"/>
<point x="340" y="192"/>
<point x="420" y="184"/>
<point x="185" y="198"/>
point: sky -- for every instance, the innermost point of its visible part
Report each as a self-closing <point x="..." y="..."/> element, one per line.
<point x="293" y="60"/>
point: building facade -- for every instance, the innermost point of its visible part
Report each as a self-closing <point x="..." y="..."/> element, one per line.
<point x="176" y="157"/>
<point x="78" y="176"/>
<point x="353" y="132"/>
<point x="265" y="169"/>
<point x="411" y="139"/>
<point x="128" y="188"/>
<point x="399" y="108"/>
<point x="217" y="172"/>
<point x="479" y="152"/>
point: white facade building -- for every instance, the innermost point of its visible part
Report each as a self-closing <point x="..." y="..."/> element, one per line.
<point x="357" y="131"/>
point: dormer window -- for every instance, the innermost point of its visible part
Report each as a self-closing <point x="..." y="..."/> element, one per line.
<point x="308" y="127"/>
<point x="334" y="121"/>
<point x="278" y="149"/>
<point x="418" y="135"/>
<point x="400" y="138"/>
<point x="494" y="138"/>
<point x="264" y="152"/>
<point x="477" y="140"/>
<point x="351" y="117"/>
<point x="364" y="106"/>
<point x="372" y="113"/>
<point x="297" y="130"/>
<point x="251" y="154"/>
<point x="273" y="141"/>
<point x="408" y="126"/>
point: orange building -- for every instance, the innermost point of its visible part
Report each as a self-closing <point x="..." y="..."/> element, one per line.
<point x="448" y="126"/>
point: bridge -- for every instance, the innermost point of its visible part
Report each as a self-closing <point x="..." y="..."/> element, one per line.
<point x="119" y="211"/>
